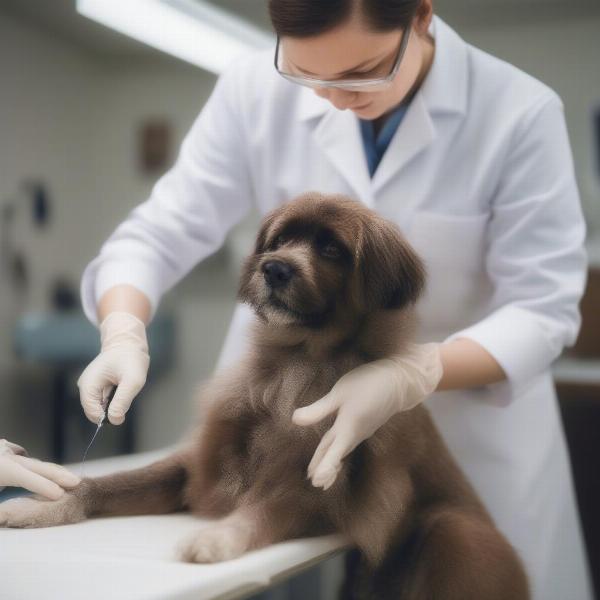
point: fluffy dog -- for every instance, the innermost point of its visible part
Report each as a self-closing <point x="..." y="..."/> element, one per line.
<point x="333" y="285"/>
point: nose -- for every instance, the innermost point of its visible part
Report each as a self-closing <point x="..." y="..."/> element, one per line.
<point x="341" y="99"/>
<point x="277" y="273"/>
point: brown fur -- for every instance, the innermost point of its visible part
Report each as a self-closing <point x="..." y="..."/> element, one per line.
<point x="418" y="526"/>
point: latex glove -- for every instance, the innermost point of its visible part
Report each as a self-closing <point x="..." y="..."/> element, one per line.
<point x="47" y="479"/>
<point x="365" y="398"/>
<point x="123" y="361"/>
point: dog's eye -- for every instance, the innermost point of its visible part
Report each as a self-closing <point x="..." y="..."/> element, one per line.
<point x="279" y="240"/>
<point x="331" y="250"/>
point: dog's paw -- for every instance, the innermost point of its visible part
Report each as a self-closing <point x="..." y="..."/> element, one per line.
<point x="214" y="544"/>
<point x="33" y="512"/>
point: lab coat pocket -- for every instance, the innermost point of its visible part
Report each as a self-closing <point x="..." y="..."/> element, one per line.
<point x="453" y="249"/>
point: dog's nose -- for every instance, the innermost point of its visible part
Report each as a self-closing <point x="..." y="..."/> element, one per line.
<point x="277" y="273"/>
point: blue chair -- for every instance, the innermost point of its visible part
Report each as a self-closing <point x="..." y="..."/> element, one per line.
<point x="67" y="341"/>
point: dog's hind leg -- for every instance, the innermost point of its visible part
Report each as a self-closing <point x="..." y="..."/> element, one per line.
<point x="154" y="489"/>
<point x="460" y="556"/>
<point x="375" y="511"/>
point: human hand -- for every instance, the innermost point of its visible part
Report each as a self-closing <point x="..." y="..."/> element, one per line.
<point x="123" y="361"/>
<point x="365" y="398"/>
<point x="47" y="479"/>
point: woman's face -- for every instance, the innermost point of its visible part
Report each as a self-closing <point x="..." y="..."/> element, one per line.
<point x="350" y="51"/>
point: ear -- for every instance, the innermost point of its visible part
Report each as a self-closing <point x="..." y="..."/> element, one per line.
<point x="423" y="17"/>
<point x="390" y="272"/>
<point x="265" y="228"/>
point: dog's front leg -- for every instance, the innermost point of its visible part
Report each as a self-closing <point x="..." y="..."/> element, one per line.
<point x="255" y="523"/>
<point x="155" y="489"/>
<point x="36" y="511"/>
<point x="225" y="539"/>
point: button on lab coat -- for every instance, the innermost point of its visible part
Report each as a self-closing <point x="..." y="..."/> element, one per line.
<point x="479" y="177"/>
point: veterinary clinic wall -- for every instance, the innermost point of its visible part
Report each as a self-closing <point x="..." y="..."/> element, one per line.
<point x="70" y="117"/>
<point x="47" y="119"/>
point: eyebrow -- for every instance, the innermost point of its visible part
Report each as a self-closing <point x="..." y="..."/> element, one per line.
<point x="297" y="228"/>
<point x="352" y="70"/>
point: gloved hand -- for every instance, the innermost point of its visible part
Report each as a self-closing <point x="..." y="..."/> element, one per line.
<point x="47" y="479"/>
<point x="123" y="361"/>
<point x="365" y="398"/>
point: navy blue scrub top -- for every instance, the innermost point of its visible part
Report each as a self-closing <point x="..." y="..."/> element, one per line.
<point x="375" y="148"/>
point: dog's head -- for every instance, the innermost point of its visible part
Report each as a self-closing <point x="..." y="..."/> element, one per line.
<point x="323" y="255"/>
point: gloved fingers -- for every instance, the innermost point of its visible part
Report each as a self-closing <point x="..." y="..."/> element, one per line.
<point x="315" y="412"/>
<point x="17" y="475"/>
<point x="56" y="473"/>
<point x="9" y="447"/>
<point x="323" y="446"/>
<point x="105" y="395"/>
<point x="127" y="390"/>
<point x="330" y="465"/>
<point x="91" y="401"/>
<point x="90" y="395"/>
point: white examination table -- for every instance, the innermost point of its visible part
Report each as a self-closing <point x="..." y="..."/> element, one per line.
<point x="133" y="557"/>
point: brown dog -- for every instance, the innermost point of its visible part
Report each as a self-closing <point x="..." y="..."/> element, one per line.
<point x="334" y="286"/>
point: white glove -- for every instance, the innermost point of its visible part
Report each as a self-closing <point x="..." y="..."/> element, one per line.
<point x="365" y="398"/>
<point x="123" y="361"/>
<point x="47" y="479"/>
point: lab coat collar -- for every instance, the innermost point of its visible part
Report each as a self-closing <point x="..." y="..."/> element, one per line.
<point x="338" y="135"/>
<point x="415" y="132"/>
<point x="445" y="87"/>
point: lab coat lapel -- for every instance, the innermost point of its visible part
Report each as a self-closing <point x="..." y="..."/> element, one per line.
<point x="414" y="134"/>
<point x="443" y="95"/>
<point x="337" y="134"/>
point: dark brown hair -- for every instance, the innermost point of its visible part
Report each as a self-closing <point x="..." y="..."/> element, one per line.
<point x="303" y="18"/>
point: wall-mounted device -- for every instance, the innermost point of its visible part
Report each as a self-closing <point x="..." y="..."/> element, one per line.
<point x="33" y="199"/>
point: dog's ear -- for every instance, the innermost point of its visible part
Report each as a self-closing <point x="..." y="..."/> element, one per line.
<point x="388" y="270"/>
<point x="265" y="229"/>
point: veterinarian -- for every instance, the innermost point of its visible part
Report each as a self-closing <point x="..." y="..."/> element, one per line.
<point x="470" y="156"/>
<point x="19" y="470"/>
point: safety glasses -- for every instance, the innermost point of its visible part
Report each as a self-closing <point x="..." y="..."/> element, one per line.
<point x="353" y="85"/>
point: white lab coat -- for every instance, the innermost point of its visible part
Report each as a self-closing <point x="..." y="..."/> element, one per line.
<point x="480" y="178"/>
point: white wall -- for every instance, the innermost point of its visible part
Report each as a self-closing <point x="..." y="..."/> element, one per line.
<point x="44" y="96"/>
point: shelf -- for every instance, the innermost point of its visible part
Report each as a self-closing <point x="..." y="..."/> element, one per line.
<point x="577" y="370"/>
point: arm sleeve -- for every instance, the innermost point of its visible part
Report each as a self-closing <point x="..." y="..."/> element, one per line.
<point x="189" y="212"/>
<point x="536" y="257"/>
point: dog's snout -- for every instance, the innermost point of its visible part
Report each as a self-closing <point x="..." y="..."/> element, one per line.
<point x="277" y="273"/>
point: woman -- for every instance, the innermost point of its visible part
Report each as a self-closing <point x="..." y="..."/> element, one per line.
<point x="382" y="101"/>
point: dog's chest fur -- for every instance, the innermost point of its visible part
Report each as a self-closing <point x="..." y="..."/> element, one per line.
<point x="254" y="448"/>
<point x="277" y="390"/>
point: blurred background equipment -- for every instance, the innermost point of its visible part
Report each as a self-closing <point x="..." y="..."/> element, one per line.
<point x="155" y="146"/>
<point x="31" y="202"/>
<point x="64" y="343"/>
